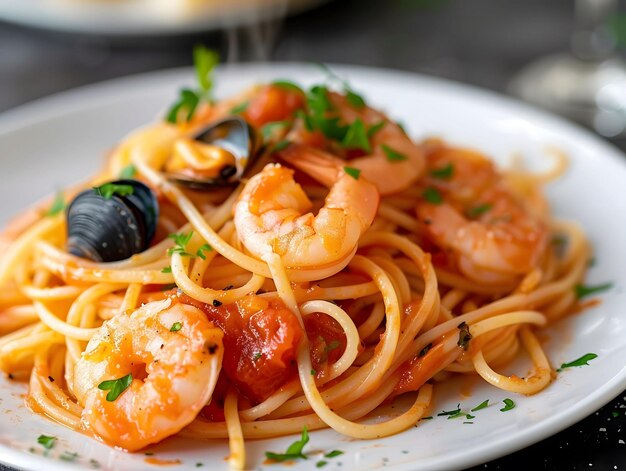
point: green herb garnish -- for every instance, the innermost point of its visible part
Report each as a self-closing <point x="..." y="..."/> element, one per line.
<point x="187" y="102"/>
<point x="508" y="405"/>
<point x="176" y="326"/>
<point x="354" y="98"/>
<point x="281" y="145"/>
<point x="180" y="244"/>
<point x="432" y="195"/>
<point x="46" y="441"/>
<point x="480" y="406"/>
<point x="450" y="412"/>
<point x="321" y="464"/>
<point x="333" y="454"/>
<point x="269" y="128"/>
<point x="287" y="85"/>
<point x="464" y="336"/>
<point x="240" y="108"/>
<point x="116" y="386"/>
<point x="477" y="211"/>
<point x="109" y="189"/>
<point x="67" y="456"/>
<point x="443" y="173"/>
<point x="57" y="206"/>
<point x="256" y="356"/>
<point x="128" y="172"/>
<point x="203" y="248"/>
<point x="582" y="291"/>
<point x="375" y="128"/>
<point x="313" y="372"/>
<point x="582" y="361"/>
<point x="294" y="451"/>
<point x="393" y="155"/>
<point x="356" y="137"/>
<point x="167" y="269"/>
<point x="353" y="172"/>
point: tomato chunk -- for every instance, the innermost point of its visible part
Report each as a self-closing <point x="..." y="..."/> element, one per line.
<point x="327" y="341"/>
<point x="273" y="103"/>
<point x="261" y="336"/>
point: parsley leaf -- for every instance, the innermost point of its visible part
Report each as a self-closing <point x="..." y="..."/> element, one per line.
<point x="128" y="172"/>
<point x="432" y="195"/>
<point x="443" y="173"/>
<point x="58" y="205"/>
<point x="375" y="128"/>
<point x="480" y="406"/>
<point x="281" y="145"/>
<point x="287" y="85"/>
<point x="393" y="155"/>
<point x="333" y="454"/>
<point x="202" y="249"/>
<point x="46" y="441"/>
<point x="353" y="98"/>
<point x="294" y="451"/>
<point x="240" y="108"/>
<point x="205" y="60"/>
<point x="464" y="336"/>
<point x="356" y="137"/>
<point x="582" y="291"/>
<point x="167" y="269"/>
<point x="180" y="244"/>
<point x="477" y="211"/>
<point x="508" y="405"/>
<point x="321" y="464"/>
<point x="109" y="189"/>
<point x="582" y="361"/>
<point x="176" y="326"/>
<point x="187" y="102"/>
<point x="451" y="412"/>
<point x="116" y="386"/>
<point x="268" y="129"/>
<point x="353" y="172"/>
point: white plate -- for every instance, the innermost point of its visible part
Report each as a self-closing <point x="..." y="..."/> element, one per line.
<point x="59" y="140"/>
<point x="145" y="17"/>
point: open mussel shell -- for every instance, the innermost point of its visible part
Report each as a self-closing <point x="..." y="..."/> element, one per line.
<point x="111" y="229"/>
<point x="235" y="136"/>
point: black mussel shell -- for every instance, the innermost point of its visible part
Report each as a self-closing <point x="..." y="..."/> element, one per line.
<point x="234" y="135"/>
<point x="108" y="230"/>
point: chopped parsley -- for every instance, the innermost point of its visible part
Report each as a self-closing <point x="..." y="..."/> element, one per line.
<point x="375" y="128"/>
<point x="443" y="173"/>
<point x="116" y="386"/>
<point x="287" y="85"/>
<point x="583" y="291"/>
<point x="257" y="356"/>
<point x="280" y="145"/>
<point x="477" y="211"/>
<point x="333" y="454"/>
<point x="432" y="195"/>
<point x="480" y="406"/>
<point x="430" y="417"/>
<point x="167" y="269"/>
<point x="582" y="361"/>
<point x="240" y="108"/>
<point x="205" y="61"/>
<point x="332" y="345"/>
<point x="57" y="206"/>
<point x="109" y="189"/>
<point x="67" y="456"/>
<point x="294" y="451"/>
<point x="313" y="372"/>
<point x="353" y="172"/>
<point x="615" y="413"/>
<point x="203" y="248"/>
<point x="46" y="441"/>
<point x="450" y="412"/>
<point x="464" y="336"/>
<point x="393" y="155"/>
<point x="321" y="464"/>
<point x="128" y="172"/>
<point x="353" y="98"/>
<point x="470" y="416"/>
<point x="176" y="326"/>
<point x="356" y="137"/>
<point x="269" y="128"/>
<point x="180" y="244"/>
<point x="508" y="405"/>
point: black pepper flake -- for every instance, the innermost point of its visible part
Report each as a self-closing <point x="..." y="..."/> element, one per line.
<point x="464" y="336"/>
<point x="425" y="350"/>
<point x="51" y="379"/>
<point x="229" y="287"/>
<point x="217" y="303"/>
<point x="212" y="348"/>
<point x="11" y="376"/>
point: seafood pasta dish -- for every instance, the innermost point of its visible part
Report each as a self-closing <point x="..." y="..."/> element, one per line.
<point x="276" y="262"/>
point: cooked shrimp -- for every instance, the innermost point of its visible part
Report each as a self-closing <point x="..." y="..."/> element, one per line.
<point x="174" y="355"/>
<point x="272" y="214"/>
<point x="488" y="232"/>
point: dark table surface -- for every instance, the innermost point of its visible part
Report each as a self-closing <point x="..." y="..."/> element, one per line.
<point x="481" y="42"/>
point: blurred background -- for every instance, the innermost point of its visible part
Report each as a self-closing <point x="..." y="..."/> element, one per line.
<point x="564" y="55"/>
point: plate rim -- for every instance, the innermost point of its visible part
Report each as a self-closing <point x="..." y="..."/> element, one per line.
<point x="93" y="95"/>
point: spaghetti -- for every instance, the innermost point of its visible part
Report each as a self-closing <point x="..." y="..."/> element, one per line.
<point x="349" y="266"/>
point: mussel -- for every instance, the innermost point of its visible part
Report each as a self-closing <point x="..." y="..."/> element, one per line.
<point x="217" y="156"/>
<point x="112" y="226"/>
